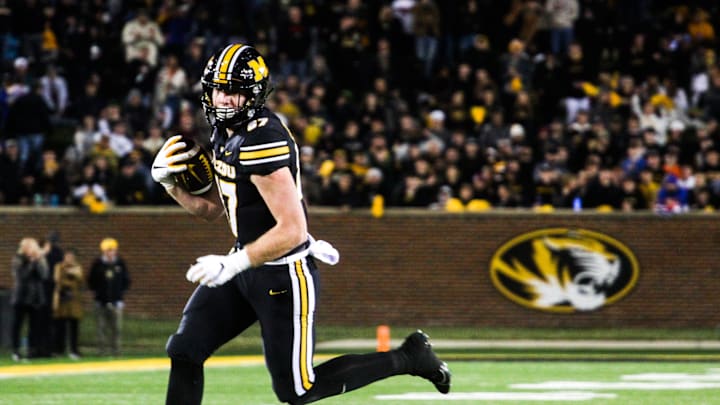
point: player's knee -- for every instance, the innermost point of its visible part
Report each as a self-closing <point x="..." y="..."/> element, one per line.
<point x="294" y="400"/>
<point x="285" y="392"/>
<point x="306" y="398"/>
<point x="289" y="396"/>
<point x="180" y="346"/>
<point x="286" y="396"/>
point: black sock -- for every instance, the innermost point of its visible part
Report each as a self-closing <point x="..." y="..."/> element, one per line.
<point x="185" y="386"/>
<point x="352" y="371"/>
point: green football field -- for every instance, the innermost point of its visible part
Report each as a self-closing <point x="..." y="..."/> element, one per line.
<point x="244" y="380"/>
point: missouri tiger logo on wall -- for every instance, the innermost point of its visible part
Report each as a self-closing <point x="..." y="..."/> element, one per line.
<point x="564" y="270"/>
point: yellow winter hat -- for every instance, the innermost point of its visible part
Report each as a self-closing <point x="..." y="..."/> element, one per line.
<point x="108" y="244"/>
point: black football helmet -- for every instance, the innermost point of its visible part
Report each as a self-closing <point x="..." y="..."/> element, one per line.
<point x="234" y="69"/>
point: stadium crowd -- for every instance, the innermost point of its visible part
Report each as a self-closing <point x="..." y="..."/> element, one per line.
<point x="457" y="105"/>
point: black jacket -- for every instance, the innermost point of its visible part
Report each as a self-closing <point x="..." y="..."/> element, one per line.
<point x="109" y="280"/>
<point x="29" y="281"/>
<point x="28" y="115"/>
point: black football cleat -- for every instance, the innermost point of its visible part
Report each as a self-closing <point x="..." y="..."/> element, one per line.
<point x="423" y="362"/>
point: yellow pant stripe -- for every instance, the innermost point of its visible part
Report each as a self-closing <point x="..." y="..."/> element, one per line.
<point x="304" y="310"/>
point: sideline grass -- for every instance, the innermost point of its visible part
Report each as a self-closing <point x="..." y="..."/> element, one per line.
<point x="143" y="337"/>
<point x="147" y="338"/>
<point x="251" y="385"/>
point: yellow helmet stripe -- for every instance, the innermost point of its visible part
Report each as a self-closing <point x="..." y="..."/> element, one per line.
<point x="225" y="64"/>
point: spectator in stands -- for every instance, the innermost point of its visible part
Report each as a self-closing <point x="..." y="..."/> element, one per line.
<point x="28" y="122"/>
<point x="412" y="193"/>
<point x="155" y="139"/>
<point x="374" y="185"/>
<point x="648" y="186"/>
<point x="343" y="192"/>
<point x="562" y="15"/>
<point x="700" y="27"/>
<point x="710" y="100"/>
<point x="170" y="84"/>
<point x="547" y="189"/>
<point x="672" y="198"/>
<point x="89" y="103"/>
<point x="29" y="19"/>
<point x="130" y="186"/>
<point x="550" y="87"/>
<point x="466" y="200"/>
<point x="494" y="130"/>
<point x="54" y="90"/>
<point x="109" y="279"/>
<point x="142" y="75"/>
<point x="420" y="187"/>
<point x="426" y="28"/>
<point x="517" y="67"/>
<point x="634" y="161"/>
<point x="88" y="191"/>
<point x="12" y="173"/>
<point x="347" y="54"/>
<point x="603" y="191"/>
<point x="4" y="101"/>
<point x="84" y="139"/>
<point x="481" y="57"/>
<point x="632" y="198"/>
<point x="471" y="160"/>
<point x="481" y="187"/>
<point x="6" y="34"/>
<point x="471" y="22"/>
<point x="655" y="118"/>
<point x="142" y="38"/>
<point x="67" y="303"/>
<point x="506" y="197"/>
<point x="193" y="63"/>
<point x="312" y="190"/>
<point x="577" y="71"/>
<point x="136" y="112"/>
<point x="51" y="181"/>
<point x="396" y="49"/>
<point x="22" y="77"/>
<point x="105" y="170"/>
<point x="178" y="26"/>
<point x="294" y="42"/>
<point x="119" y="139"/>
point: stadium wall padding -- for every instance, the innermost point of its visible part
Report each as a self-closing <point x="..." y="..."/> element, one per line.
<point x="407" y="268"/>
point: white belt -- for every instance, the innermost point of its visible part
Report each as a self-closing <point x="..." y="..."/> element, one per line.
<point x="290" y="258"/>
<point x="319" y="249"/>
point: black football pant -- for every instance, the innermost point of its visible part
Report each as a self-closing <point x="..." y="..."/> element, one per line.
<point x="283" y="298"/>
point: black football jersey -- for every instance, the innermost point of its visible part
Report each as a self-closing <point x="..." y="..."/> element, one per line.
<point x="258" y="146"/>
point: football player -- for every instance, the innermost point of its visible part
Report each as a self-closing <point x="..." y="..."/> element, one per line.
<point x="270" y="275"/>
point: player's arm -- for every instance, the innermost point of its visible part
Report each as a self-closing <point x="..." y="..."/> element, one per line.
<point x="207" y="206"/>
<point x="281" y="196"/>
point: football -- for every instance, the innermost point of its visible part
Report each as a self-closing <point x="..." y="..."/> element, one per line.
<point x="198" y="177"/>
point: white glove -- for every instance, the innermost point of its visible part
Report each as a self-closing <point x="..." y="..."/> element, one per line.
<point x="215" y="270"/>
<point x="165" y="163"/>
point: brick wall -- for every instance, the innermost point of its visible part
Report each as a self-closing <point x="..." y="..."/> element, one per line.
<point x="407" y="268"/>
